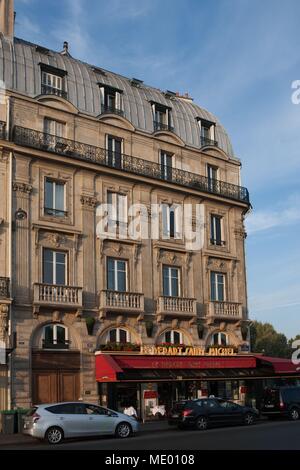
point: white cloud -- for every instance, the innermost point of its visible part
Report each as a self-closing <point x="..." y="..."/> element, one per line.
<point x="270" y="219"/>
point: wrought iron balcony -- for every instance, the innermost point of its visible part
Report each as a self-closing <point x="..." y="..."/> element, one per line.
<point x="2" y="130"/>
<point x="111" y="110"/>
<point x="226" y="310"/>
<point x="56" y="295"/>
<point x="216" y="242"/>
<point x="50" y="90"/>
<point x="116" y="301"/>
<point x="176" y="306"/>
<point x="160" y="126"/>
<point x="4" y="288"/>
<point x="89" y="153"/>
<point x="206" y="141"/>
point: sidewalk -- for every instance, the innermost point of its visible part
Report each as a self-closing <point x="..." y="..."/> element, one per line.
<point x="21" y="439"/>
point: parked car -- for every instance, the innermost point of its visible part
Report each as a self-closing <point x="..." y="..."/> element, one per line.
<point x="281" y="401"/>
<point x="59" y="421"/>
<point x="206" y="412"/>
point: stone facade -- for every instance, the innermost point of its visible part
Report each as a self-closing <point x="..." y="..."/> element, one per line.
<point x="26" y="230"/>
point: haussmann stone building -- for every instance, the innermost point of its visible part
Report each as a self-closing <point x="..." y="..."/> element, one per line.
<point x="105" y="318"/>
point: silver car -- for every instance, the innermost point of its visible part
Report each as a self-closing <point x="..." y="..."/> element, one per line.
<point x="55" y="422"/>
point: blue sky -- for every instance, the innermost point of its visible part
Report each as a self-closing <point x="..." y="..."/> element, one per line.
<point x="237" y="58"/>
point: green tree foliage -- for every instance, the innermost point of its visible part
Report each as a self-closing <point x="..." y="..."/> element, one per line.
<point x="265" y="339"/>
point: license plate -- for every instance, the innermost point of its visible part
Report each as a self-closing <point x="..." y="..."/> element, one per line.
<point x="175" y="416"/>
<point x="269" y="406"/>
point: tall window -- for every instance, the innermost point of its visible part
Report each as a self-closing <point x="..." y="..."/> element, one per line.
<point x="111" y="100"/>
<point x="53" y="84"/>
<point x="171" y="221"/>
<point x="116" y="275"/>
<point x="166" y="165"/>
<point x="54" y="267"/>
<point x="55" y="335"/>
<point x="55" y="198"/>
<point x="114" y="151"/>
<point x="207" y="132"/>
<point x="173" y="337"/>
<point x="53" y="127"/>
<point x="171" y="281"/>
<point x="212" y="175"/>
<point x="220" y="339"/>
<point x="162" y="117"/>
<point x="217" y="287"/>
<point x="118" y="335"/>
<point x="117" y="210"/>
<point x="216" y="230"/>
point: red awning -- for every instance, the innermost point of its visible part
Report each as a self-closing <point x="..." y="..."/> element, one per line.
<point x="110" y="368"/>
<point x="280" y="366"/>
<point x="106" y="369"/>
<point x="176" y="362"/>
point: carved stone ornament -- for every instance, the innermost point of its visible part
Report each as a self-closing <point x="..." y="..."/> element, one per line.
<point x="22" y="187"/>
<point x="56" y="240"/>
<point x="88" y="201"/>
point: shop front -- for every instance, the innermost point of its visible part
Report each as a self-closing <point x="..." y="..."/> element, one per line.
<point x="152" y="380"/>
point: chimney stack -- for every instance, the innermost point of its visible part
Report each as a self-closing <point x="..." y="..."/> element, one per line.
<point x="7" y="18"/>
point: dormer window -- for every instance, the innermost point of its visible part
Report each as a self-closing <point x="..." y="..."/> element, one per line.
<point x="207" y="132"/>
<point x="111" y="100"/>
<point x="162" y="117"/>
<point x="53" y="81"/>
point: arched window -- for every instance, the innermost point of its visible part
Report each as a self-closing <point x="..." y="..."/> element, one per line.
<point x="173" y="337"/>
<point x="220" y="339"/>
<point x="55" y="336"/>
<point x="118" y="335"/>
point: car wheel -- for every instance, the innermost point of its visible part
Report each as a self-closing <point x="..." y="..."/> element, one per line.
<point x="201" y="423"/>
<point x="123" y="430"/>
<point x="249" y="419"/>
<point x="54" y="435"/>
<point x="294" y="414"/>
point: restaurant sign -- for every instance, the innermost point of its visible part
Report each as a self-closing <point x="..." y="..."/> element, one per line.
<point x="186" y="351"/>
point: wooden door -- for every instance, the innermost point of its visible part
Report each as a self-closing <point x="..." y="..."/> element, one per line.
<point x="68" y="386"/>
<point x="55" y="386"/>
<point x="44" y="387"/>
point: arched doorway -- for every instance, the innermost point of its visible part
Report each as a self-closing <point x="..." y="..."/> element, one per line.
<point x="55" y="365"/>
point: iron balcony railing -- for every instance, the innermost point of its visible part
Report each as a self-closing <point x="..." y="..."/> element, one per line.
<point x="4" y="287"/>
<point x="89" y="153"/>
<point x="2" y="130"/>
<point x="160" y="126"/>
<point x="206" y="141"/>
<point x="50" y="90"/>
<point x="111" y="109"/>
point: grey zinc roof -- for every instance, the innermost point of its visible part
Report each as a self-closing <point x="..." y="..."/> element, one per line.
<point x="20" y="71"/>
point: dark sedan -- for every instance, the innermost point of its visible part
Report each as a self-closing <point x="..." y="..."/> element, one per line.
<point x="206" y="412"/>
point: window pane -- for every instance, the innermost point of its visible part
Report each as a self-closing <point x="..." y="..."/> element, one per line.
<point x="172" y="223"/>
<point x="60" y="334"/>
<point x="60" y="274"/>
<point x="176" y="337"/>
<point x="223" y="339"/>
<point x="212" y="286"/>
<point x="121" y="280"/>
<point x="48" y="334"/>
<point x="110" y="274"/>
<point x="60" y="196"/>
<point x="48" y="266"/>
<point x="220" y="292"/>
<point x="166" y="289"/>
<point x="174" y="287"/>
<point x="49" y="194"/>
<point x="123" y="336"/>
<point x="168" y="337"/>
<point x="218" y="229"/>
<point x="113" y="336"/>
<point x="215" y="338"/>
